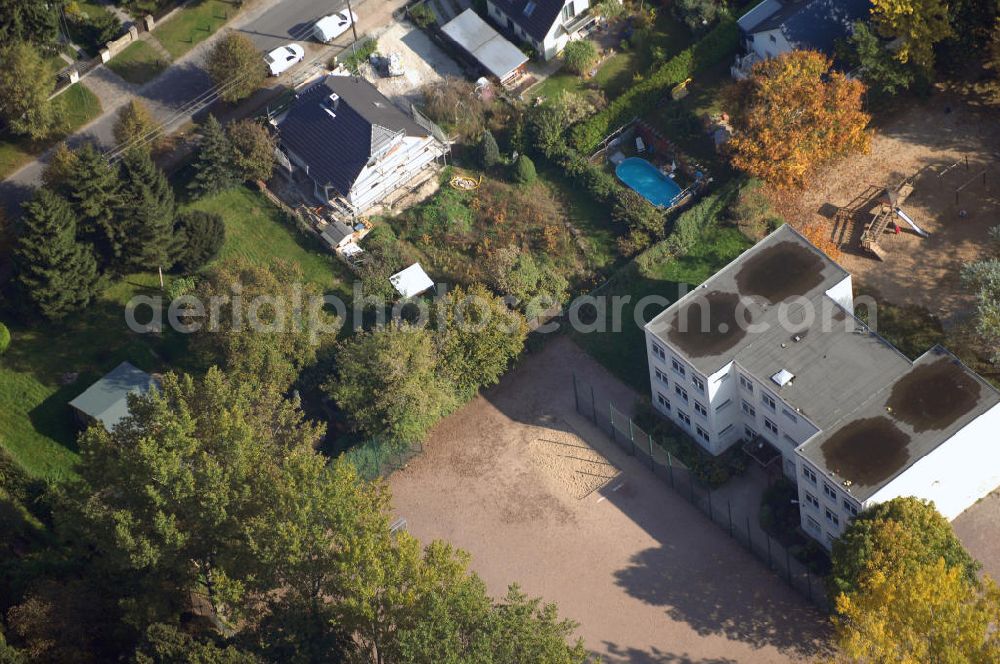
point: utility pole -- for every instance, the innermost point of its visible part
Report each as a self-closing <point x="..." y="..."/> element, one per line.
<point x="354" y="28"/>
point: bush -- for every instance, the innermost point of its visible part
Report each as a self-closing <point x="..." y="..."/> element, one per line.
<point x="201" y="236"/>
<point x="580" y="55"/>
<point x="524" y="170"/>
<point x="422" y="16"/>
<point x="354" y="58"/>
<point x="4" y="338"/>
<point x="719" y="44"/>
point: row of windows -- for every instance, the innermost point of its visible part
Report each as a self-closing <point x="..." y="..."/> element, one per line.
<point x="765" y="398"/>
<point x="683" y="417"/>
<point x="830" y="493"/>
<point x="677" y="367"/>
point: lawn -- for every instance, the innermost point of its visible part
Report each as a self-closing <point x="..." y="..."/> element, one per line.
<point x="623" y="352"/>
<point x="37" y="427"/>
<point x="259" y="231"/>
<point x="192" y="25"/>
<point x="138" y="63"/>
<point x="80" y="106"/>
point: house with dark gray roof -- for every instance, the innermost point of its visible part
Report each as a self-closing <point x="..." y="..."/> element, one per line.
<point x="354" y="144"/>
<point x="106" y="401"/>
<point x="548" y="25"/>
<point x="768" y="354"/>
<point x="774" y="27"/>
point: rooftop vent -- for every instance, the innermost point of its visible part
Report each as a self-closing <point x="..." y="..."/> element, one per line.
<point x="529" y="8"/>
<point x="331" y="103"/>
<point x="783" y="377"/>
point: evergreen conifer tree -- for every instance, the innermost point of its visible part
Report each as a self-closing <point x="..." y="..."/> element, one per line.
<point x="489" y="151"/>
<point x="214" y="168"/>
<point x="94" y="188"/>
<point x="57" y="273"/>
<point x="148" y="213"/>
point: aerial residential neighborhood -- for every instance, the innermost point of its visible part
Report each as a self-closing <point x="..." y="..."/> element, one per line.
<point x="499" y="331"/>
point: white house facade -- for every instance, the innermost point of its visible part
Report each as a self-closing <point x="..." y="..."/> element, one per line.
<point x="769" y="354"/>
<point x="548" y="25"/>
<point x="353" y="144"/>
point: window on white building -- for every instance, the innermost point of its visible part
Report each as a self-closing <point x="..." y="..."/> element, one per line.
<point x="832" y="517"/>
<point x="767" y="400"/>
<point x="698" y="383"/>
<point x="700" y="409"/>
<point x="811" y="500"/>
<point x="684" y="417"/>
<point x="723" y="405"/>
<point x="662" y="400"/>
<point x="748" y="409"/>
<point x="749" y="433"/>
<point x="746" y="383"/>
<point x="813" y="525"/>
<point x="809" y="474"/>
<point x="703" y="434"/>
<point x="830" y="492"/>
<point x="681" y="392"/>
<point x="771" y="426"/>
<point x="662" y="377"/>
<point x="678" y="367"/>
<point x="850" y="508"/>
<point x="659" y="352"/>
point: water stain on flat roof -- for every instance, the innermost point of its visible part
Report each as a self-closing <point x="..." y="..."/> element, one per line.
<point x="780" y="271"/>
<point x="934" y="396"/>
<point x="867" y="451"/>
<point x="707" y="324"/>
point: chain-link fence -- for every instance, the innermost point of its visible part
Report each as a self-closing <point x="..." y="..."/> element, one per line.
<point x="737" y="521"/>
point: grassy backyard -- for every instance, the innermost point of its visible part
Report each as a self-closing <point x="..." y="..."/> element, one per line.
<point x="138" y="63"/>
<point x="193" y="24"/>
<point x="624" y="352"/>
<point x="79" y="106"/>
<point x="258" y="231"/>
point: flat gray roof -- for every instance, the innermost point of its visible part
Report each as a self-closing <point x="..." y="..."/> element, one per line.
<point x="904" y="421"/>
<point x="485" y="44"/>
<point x="769" y="311"/>
<point x="107" y="399"/>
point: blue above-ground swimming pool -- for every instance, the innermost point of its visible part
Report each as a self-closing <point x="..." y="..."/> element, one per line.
<point x="648" y="181"/>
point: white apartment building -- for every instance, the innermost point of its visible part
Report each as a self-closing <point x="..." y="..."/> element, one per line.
<point x="768" y="352"/>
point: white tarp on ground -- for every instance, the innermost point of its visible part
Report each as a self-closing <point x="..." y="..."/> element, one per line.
<point x="412" y="281"/>
<point x="489" y="47"/>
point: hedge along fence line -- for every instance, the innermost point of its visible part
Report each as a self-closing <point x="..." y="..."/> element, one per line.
<point x="719" y="44"/>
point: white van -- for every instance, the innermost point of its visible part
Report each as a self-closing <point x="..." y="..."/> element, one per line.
<point x="330" y="27"/>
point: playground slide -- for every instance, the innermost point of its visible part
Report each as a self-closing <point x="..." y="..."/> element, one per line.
<point x="905" y="217"/>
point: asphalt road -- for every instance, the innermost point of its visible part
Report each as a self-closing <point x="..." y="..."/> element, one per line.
<point x="292" y="21"/>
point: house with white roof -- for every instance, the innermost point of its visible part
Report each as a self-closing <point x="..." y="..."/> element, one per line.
<point x="768" y="354"/>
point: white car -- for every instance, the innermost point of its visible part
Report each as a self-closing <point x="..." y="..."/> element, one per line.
<point x="330" y="27"/>
<point x="281" y="59"/>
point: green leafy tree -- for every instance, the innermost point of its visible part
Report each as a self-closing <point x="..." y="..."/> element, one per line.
<point x="477" y="337"/>
<point x="4" y="338"/>
<point x="580" y="55"/>
<point x="29" y="21"/>
<point x="983" y="279"/>
<point x="930" y="612"/>
<point x="234" y="63"/>
<point x="253" y="150"/>
<point x="898" y="534"/>
<point x="917" y="24"/>
<point x="883" y="73"/>
<point x="698" y="14"/>
<point x="533" y="286"/>
<point x="25" y="85"/>
<point x="214" y="170"/>
<point x="388" y="383"/>
<point x="135" y="126"/>
<point x="149" y="212"/>
<point x="200" y="236"/>
<point x="166" y="644"/>
<point x="524" y="170"/>
<point x="166" y="496"/>
<point x="56" y="273"/>
<point x="59" y="169"/>
<point x="94" y="190"/>
<point x="489" y="151"/>
<point x="271" y="330"/>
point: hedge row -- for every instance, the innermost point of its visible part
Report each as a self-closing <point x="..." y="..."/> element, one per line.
<point x="717" y="45"/>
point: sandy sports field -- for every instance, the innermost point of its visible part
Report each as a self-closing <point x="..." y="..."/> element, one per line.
<point x="927" y="139"/>
<point x="539" y="496"/>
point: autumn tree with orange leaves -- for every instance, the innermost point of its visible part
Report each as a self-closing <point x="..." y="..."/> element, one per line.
<point x="793" y="114"/>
